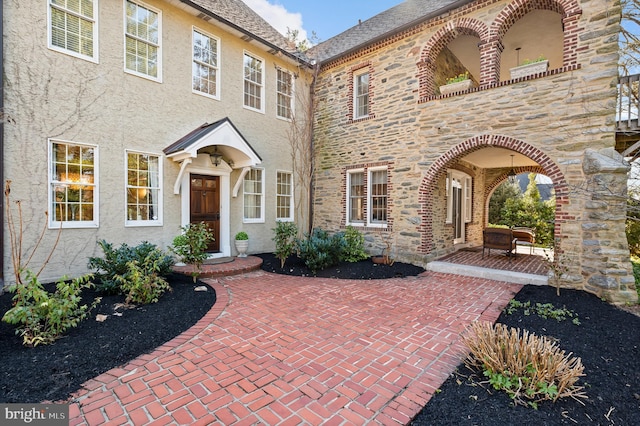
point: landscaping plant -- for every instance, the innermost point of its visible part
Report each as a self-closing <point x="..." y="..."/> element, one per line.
<point x="142" y="282"/>
<point x="353" y="250"/>
<point x="285" y="240"/>
<point x="42" y="317"/>
<point x="192" y="244"/>
<point x="319" y="250"/>
<point x="115" y="263"/>
<point x="529" y="368"/>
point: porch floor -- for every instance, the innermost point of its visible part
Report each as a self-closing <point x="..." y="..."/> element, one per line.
<point x="525" y="268"/>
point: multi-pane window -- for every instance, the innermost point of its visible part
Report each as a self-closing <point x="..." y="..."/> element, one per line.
<point x="367" y="197"/>
<point x="284" y="196"/>
<point x="72" y="183"/>
<point x="253" y="82"/>
<point x="253" y="187"/>
<point x="284" y="94"/>
<point x="143" y="188"/>
<point x="205" y="64"/>
<point x="73" y="27"/>
<point x="356" y="197"/>
<point x="361" y="94"/>
<point x="378" y="196"/>
<point x="142" y="40"/>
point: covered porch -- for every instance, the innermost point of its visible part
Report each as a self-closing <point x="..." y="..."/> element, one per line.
<point x="525" y="268"/>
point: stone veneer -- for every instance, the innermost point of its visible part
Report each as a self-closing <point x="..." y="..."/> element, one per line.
<point x="563" y="119"/>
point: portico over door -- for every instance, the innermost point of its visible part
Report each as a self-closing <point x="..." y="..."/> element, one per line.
<point x="205" y="205"/>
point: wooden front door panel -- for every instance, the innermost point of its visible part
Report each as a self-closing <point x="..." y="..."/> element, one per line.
<point x="205" y="205"/>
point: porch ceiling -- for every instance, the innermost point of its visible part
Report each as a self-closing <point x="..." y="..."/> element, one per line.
<point x="489" y="158"/>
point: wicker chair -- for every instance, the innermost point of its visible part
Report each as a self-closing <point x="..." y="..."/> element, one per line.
<point x="524" y="237"/>
<point x="499" y="238"/>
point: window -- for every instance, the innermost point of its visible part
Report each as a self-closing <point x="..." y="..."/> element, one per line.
<point x="284" y="94"/>
<point x="253" y="82"/>
<point x="73" y="185"/>
<point x="284" y="196"/>
<point x="205" y="64"/>
<point x="73" y="27"/>
<point x="361" y="95"/>
<point x="254" y="196"/>
<point x="367" y="197"/>
<point x="143" y="186"/>
<point x="142" y="41"/>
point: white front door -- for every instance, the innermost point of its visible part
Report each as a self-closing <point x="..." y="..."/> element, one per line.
<point x="458" y="203"/>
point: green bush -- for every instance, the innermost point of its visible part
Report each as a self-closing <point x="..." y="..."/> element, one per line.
<point x="142" y="283"/>
<point x="353" y="245"/>
<point x="242" y="236"/>
<point x="42" y="317"/>
<point x="319" y="250"/>
<point x="285" y="240"/>
<point x="115" y="263"/>
<point x="191" y="245"/>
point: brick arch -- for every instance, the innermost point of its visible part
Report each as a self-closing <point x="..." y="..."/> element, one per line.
<point x="516" y="10"/>
<point x="430" y="52"/>
<point x="439" y="168"/>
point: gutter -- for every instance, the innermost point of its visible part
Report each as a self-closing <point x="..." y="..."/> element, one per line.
<point x="245" y="32"/>
<point x="411" y="24"/>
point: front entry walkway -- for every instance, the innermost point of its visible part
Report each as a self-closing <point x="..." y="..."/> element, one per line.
<point x="287" y="350"/>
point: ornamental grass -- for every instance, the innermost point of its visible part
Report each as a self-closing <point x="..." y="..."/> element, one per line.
<point x="529" y="368"/>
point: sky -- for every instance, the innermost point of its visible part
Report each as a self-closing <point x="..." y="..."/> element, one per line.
<point x="327" y="18"/>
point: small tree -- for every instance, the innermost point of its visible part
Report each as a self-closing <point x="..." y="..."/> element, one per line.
<point x="285" y="239"/>
<point x="192" y="244"/>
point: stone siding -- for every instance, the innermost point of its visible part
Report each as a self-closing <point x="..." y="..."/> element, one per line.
<point x="553" y="119"/>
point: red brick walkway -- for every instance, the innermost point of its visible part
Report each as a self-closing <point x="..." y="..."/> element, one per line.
<point x="289" y="351"/>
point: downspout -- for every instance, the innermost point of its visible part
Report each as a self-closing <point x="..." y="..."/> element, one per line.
<point x="311" y="116"/>
<point x="2" y="206"/>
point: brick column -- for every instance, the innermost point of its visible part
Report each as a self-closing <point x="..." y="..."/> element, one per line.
<point x="490" y="57"/>
<point x="570" y="52"/>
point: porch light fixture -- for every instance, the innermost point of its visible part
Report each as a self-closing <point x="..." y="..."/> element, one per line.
<point x="512" y="173"/>
<point x="216" y="157"/>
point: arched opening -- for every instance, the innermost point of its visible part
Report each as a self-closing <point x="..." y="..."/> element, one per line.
<point x="536" y="37"/>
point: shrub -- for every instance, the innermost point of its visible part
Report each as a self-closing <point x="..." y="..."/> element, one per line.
<point x="285" y="240"/>
<point x="142" y="283"/>
<point x="42" y="317"/>
<point x="353" y="245"/>
<point x="115" y="263"/>
<point x="192" y="244"/>
<point x="528" y="368"/>
<point x="242" y="236"/>
<point x="319" y="250"/>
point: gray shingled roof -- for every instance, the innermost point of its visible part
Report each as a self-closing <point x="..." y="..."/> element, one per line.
<point x="238" y="15"/>
<point x="404" y="15"/>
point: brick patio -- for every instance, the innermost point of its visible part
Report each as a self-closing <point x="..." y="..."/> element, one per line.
<point x="286" y="350"/>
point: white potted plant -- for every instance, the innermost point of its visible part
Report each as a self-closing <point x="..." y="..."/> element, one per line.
<point x="242" y="243"/>
<point x="530" y="67"/>
<point x="458" y="83"/>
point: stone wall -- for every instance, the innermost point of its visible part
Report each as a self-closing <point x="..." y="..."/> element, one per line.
<point x="555" y="119"/>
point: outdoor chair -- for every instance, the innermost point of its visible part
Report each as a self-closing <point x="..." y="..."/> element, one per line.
<point x="524" y="237"/>
<point x="499" y="238"/>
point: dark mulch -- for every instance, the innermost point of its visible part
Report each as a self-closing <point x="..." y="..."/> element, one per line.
<point x="53" y="372"/>
<point x="607" y="341"/>
<point x="363" y="270"/>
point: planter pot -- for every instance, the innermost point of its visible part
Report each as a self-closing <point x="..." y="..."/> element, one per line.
<point x="381" y="260"/>
<point x="242" y="246"/>
<point x="529" y="69"/>
<point x="460" y="86"/>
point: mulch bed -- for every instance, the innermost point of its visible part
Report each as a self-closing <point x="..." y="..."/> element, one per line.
<point x="608" y="343"/>
<point x="54" y="372"/>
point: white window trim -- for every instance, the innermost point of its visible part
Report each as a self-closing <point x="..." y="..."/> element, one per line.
<point x="262" y="200"/>
<point x="262" y="90"/>
<point x="467" y="207"/>
<point x="291" y="200"/>
<point x="291" y="103"/>
<point x="218" y="67"/>
<point x="95" y="57"/>
<point x="138" y="223"/>
<point x="356" y="74"/>
<point x="368" y="198"/>
<point x="348" y="220"/>
<point x="56" y="224"/>
<point x="157" y="79"/>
